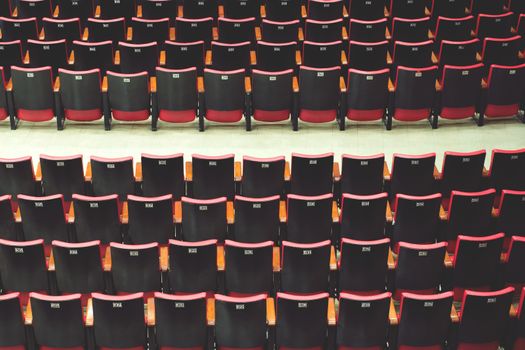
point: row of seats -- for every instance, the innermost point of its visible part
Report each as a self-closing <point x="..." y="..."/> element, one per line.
<point x="164" y="321"/>
<point x="318" y="95"/>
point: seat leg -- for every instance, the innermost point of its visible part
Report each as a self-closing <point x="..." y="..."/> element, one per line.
<point x="387" y="120"/>
<point x="13" y="121"/>
<point x="201" y="122"/>
<point x="433" y="120"/>
<point x="248" y="119"/>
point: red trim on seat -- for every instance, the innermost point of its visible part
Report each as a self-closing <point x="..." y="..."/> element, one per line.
<point x="256" y="200"/>
<point x="430" y="347"/>
<point x="184" y="116"/>
<point x="457" y="113"/>
<point x="41" y="115"/>
<point x="485" y="346"/>
<point x="241" y="299"/>
<point x="519" y="344"/>
<point x="133" y="246"/>
<point x="360" y="347"/>
<point x="131" y="116"/>
<point x="204" y="201"/>
<point x="499" y="111"/>
<point x="369" y="297"/>
<point x="174" y="348"/>
<point x="271" y="116"/>
<point x="224" y="116"/>
<point x="133" y="348"/>
<point x="399" y="292"/>
<point x="365" y="115"/>
<point x="178" y="297"/>
<point x="3" y="114"/>
<point x="15" y="347"/>
<point x="193" y="244"/>
<point x="290" y="348"/>
<point x="411" y="115"/>
<point x="83" y="116"/>
<point x="265" y="244"/>
<point x="141" y="199"/>
<point x="53" y="348"/>
<point x="311" y="116"/>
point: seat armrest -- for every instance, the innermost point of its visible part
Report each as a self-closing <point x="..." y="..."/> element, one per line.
<point x="258" y="35"/>
<point x="42" y="35"/>
<point x="189" y="171"/>
<point x="89" y="313"/>
<point x="304" y="13"/>
<point x="389" y="60"/>
<point x="386" y="172"/>
<point x="330" y="317"/>
<point x="392" y="314"/>
<point x="164" y="259"/>
<point x="391" y="87"/>
<point x="28" y="317"/>
<point x="230" y="213"/>
<point x="51" y="262"/>
<point x="443" y="216"/>
<point x="27" y="58"/>
<point x="56" y="86"/>
<point x="248" y="85"/>
<point x="262" y="11"/>
<point x="342" y="85"/>
<point x="391" y="262"/>
<point x="253" y="58"/>
<point x="215" y="33"/>
<point x="276" y="259"/>
<point x="88" y="175"/>
<point x="389" y="216"/>
<point x="344" y="34"/>
<point x="180" y="11"/>
<point x="448" y="261"/>
<point x="335" y="169"/>
<point x="107" y="260"/>
<point x="129" y="34"/>
<point x="344" y="61"/>
<point x="38" y="174"/>
<point x="220" y="258"/>
<point x="237" y="171"/>
<point x="117" y="57"/>
<point x="56" y="13"/>
<point x="270" y="312"/>
<point x="287" y="173"/>
<point x="335" y="212"/>
<point x="138" y="172"/>
<point x="300" y="34"/>
<point x="85" y="34"/>
<point x="71" y="59"/>
<point x="333" y="259"/>
<point x="150" y="312"/>
<point x="454" y="315"/>
<point x="210" y="311"/>
<point x="162" y="58"/>
<point x="298" y="58"/>
<point x="208" y="59"/>
<point x="153" y="84"/>
<point x="71" y="214"/>
<point x="282" y="211"/>
<point x="221" y="11"/>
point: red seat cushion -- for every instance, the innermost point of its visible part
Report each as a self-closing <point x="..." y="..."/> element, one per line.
<point x="271" y="116"/>
<point x="360" y="348"/>
<point x="411" y="115"/>
<point x="177" y="116"/>
<point x="224" y="116"/>
<point x="42" y="115"/>
<point x="430" y="347"/>
<point x="3" y="113"/>
<point x="519" y="344"/>
<point x="484" y="346"/>
<point x="365" y="115"/>
<point x="83" y="116"/>
<point x="14" y="347"/>
<point x="52" y="348"/>
<point x="497" y="111"/>
<point x="131" y="116"/>
<point x="174" y="348"/>
<point x="457" y="113"/>
<point x="311" y="116"/>
<point x="133" y="348"/>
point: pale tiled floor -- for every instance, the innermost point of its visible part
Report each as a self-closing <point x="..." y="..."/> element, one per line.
<point x="264" y="140"/>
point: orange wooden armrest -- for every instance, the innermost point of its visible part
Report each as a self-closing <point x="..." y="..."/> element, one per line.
<point x="38" y="175"/>
<point x="386" y="172"/>
<point x="344" y="34"/>
<point x="521" y="55"/>
<point x="258" y="35"/>
<point x="150" y="312"/>
<point x="27" y="58"/>
<point x="18" y="216"/>
<point x="230" y="213"/>
<point x="178" y="212"/>
<point x="88" y="175"/>
<point x="253" y="58"/>
<point x="390" y="260"/>
<point x="173" y="33"/>
<point x="335" y="170"/>
<point x="300" y="34"/>
<point x="392" y="314"/>
<point x="42" y="34"/>
<point x="89" y="313"/>
<point x="276" y="259"/>
<point x="333" y="259"/>
<point x="262" y="11"/>
<point x="164" y="259"/>
<point x="335" y="212"/>
<point x="298" y="59"/>
<point x="117" y="57"/>
<point x="439" y="88"/>
<point x="162" y="58"/>
<point x="138" y="172"/>
<point x="124" y="216"/>
<point x="443" y="214"/>
<point x="237" y="165"/>
<point x="484" y="84"/>
<point x="495" y="212"/>
<point x="345" y="11"/>
<point x="248" y="84"/>
<point x="270" y="312"/>
<point x="434" y="58"/>
<point x="208" y="58"/>
<point x="28" y="318"/>
<point x="513" y="312"/>
<point x="304" y="13"/>
<point x="215" y="33"/>
<point x="220" y="258"/>
<point x="56" y="86"/>
<point x="51" y="262"/>
<point x="153" y="84"/>
<point x="56" y="13"/>
<point x="287" y="173"/>
<point x="129" y="34"/>
<point x="436" y="172"/>
<point x="385" y="12"/>
<point x="0" y="33"/>
<point x="107" y="259"/>
<point x="71" y="214"/>
<point x="503" y="257"/>
<point x="389" y="60"/>
<point x="486" y="173"/>
<point x="282" y="211"/>
<point x="454" y="315"/>
<point x="342" y="85"/>
<point x="331" y="312"/>
<point x="478" y="58"/>
<point x="427" y="12"/>
<point x="221" y="11"/>
<point x="180" y="11"/>
<point x="200" y="86"/>
<point x="71" y="59"/>
<point x="391" y="87"/>
<point x="97" y="11"/>
<point x="85" y="34"/>
<point x="430" y="35"/>
<point x="295" y="86"/>
<point x="15" y="12"/>
<point x="389" y="216"/>
<point x="388" y="36"/>
<point x="139" y="11"/>
<point x="9" y="86"/>
<point x="344" y="61"/>
<point x="210" y="311"/>
<point x="189" y="171"/>
<point x="448" y="261"/>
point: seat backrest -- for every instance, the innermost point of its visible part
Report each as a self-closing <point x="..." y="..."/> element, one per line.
<point x="184" y="55"/>
<point x="191" y="30"/>
<point x="367" y="10"/>
<point x="305" y="267"/>
<point x="17" y="176"/>
<point x="414" y="90"/>
<point x="80" y="91"/>
<point x="241" y="9"/>
<point x="230" y="56"/>
<point x="407" y="9"/>
<point x="506" y="169"/>
<point x="410" y="30"/>
<point x="32" y="89"/>
<point x="256" y="219"/>
<point x="157" y="9"/>
<point x="23" y="266"/>
<point x="312" y="174"/>
<point x="136" y="58"/>
<point x="485" y="6"/>
<point x="368" y="93"/>
<point x="275" y="57"/>
<point x="53" y="314"/>
<point x="363" y="320"/>
<point x="500" y="80"/>
<point x="502" y="51"/>
<point x="78" y="267"/>
<point x="62" y="175"/>
<point x="213" y="175"/>
<point x="129" y="95"/>
<point x="510" y="220"/>
<point x="190" y="259"/>
<point x="31" y="8"/>
<point x="236" y="30"/>
<point x="180" y="320"/>
<point x="323" y="31"/>
<point x="458" y="53"/>
<point x="11" y="56"/>
<point x="279" y="32"/>
<point x="514" y="274"/>
<point x="97" y="218"/>
<point x="367" y="56"/>
<point x="494" y="25"/>
<point x="454" y="29"/>
<point x="72" y="9"/>
<point x="464" y="79"/>
<point x="56" y="29"/>
<point x="319" y="88"/>
<point x="363" y="217"/>
<point x="93" y="55"/>
<point x="150" y="30"/>
<point x="43" y="217"/>
<point x="204" y="219"/>
<point x="462" y="171"/>
<point x="363" y="266"/>
<point x="122" y="315"/>
<point x="107" y="29"/>
<point x="224" y="90"/>
<point x="325" y="10"/>
<point x="135" y="268"/>
<point x="309" y="218"/>
<point x="414" y="55"/>
<point x="117" y="8"/>
<point x="362" y="175"/>
<point x="19" y="29"/>
<point x="424" y="320"/>
<point x="262" y="177"/>
<point x="7" y="219"/>
<point x="367" y="31"/>
<point x="322" y="55"/>
<point x="150" y="219"/>
<point x="282" y="11"/>
<point x="164" y="174"/>
<point x="12" y="331"/>
<point x="413" y="174"/>
<point x="301" y="320"/>
<point x="176" y="95"/>
<point x="112" y="175"/>
<point x="248" y="267"/>
<point x="200" y="9"/>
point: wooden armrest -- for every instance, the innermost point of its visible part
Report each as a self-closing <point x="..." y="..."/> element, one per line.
<point x="164" y="259"/>
<point x="443" y="214"/>
<point x="38" y="174"/>
<point x="390" y="260"/>
<point x="189" y="171"/>
<point x="386" y="172"/>
<point x="215" y="33"/>
<point x="391" y="87"/>
<point x="385" y="12"/>
<point x="208" y="59"/>
<point x="344" y="34"/>
<point x="276" y="259"/>
<point x="28" y="317"/>
<point x="173" y="33"/>
<point x="9" y="86"/>
<point x="253" y="58"/>
<point x="342" y="85"/>
<point x="431" y="36"/>
<point x="177" y="210"/>
<point x="495" y="212"/>
<point x="392" y="314"/>
<point x="138" y="172"/>
<point x="436" y="172"/>
<point x="18" y="216"/>
<point x="484" y="84"/>
<point x="162" y="58"/>
<point x="237" y="165"/>
<point x="56" y="13"/>
<point x="454" y="315"/>
<point x="71" y="59"/>
<point x="336" y="171"/>
<point x="333" y="259"/>
<point x="388" y="36"/>
<point x="282" y="211"/>
<point x="448" y="261"/>
<point x="210" y="311"/>
<point x="88" y="175"/>
<point x="89" y="313"/>
<point x="434" y="58"/>
<point x="200" y="89"/>
<point x="331" y="312"/>
<point x="85" y="34"/>
<point x="262" y="11"/>
<point x="220" y="258"/>
<point x="298" y="58"/>
<point x="248" y="84"/>
<point x="270" y="312"/>
<point x="42" y="35"/>
<point x="230" y="213"/>
<point x="129" y="34"/>
<point x="107" y="260"/>
<point x="15" y="12"/>
<point x="300" y="34"/>
<point x="221" y="11"/>
<point x="427" y="12"/>
<point x="124" y="216"/>
<point x="56" y="87"/>
<point x="71" y="214"/>
<point x="27" y="58"/>
<point x="139" y="11"/>
<point x="478" y="57"/>
<point x="180" y="11"/>
<point x="486" y="172"/>
<point x="344" y="61"/>
<point x="258" y="34"/>
<point x="345" y="12"/>
<point x="105" y="84"/>
<point x="389" y="60"/>
<point x="335" y="212"/>
<point x="97" y="11"/>
<point x="521" y="55"/>
<point x="295" y="86"/>
<point x="389" y="216"/>
<point x="150" y="312"/>
<point x="153" y="84"/>
<point x="51" y="262"/>
<point x="304" y="13"/>
<point x="117" y="57"/>
<point x="513" y="312"/>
